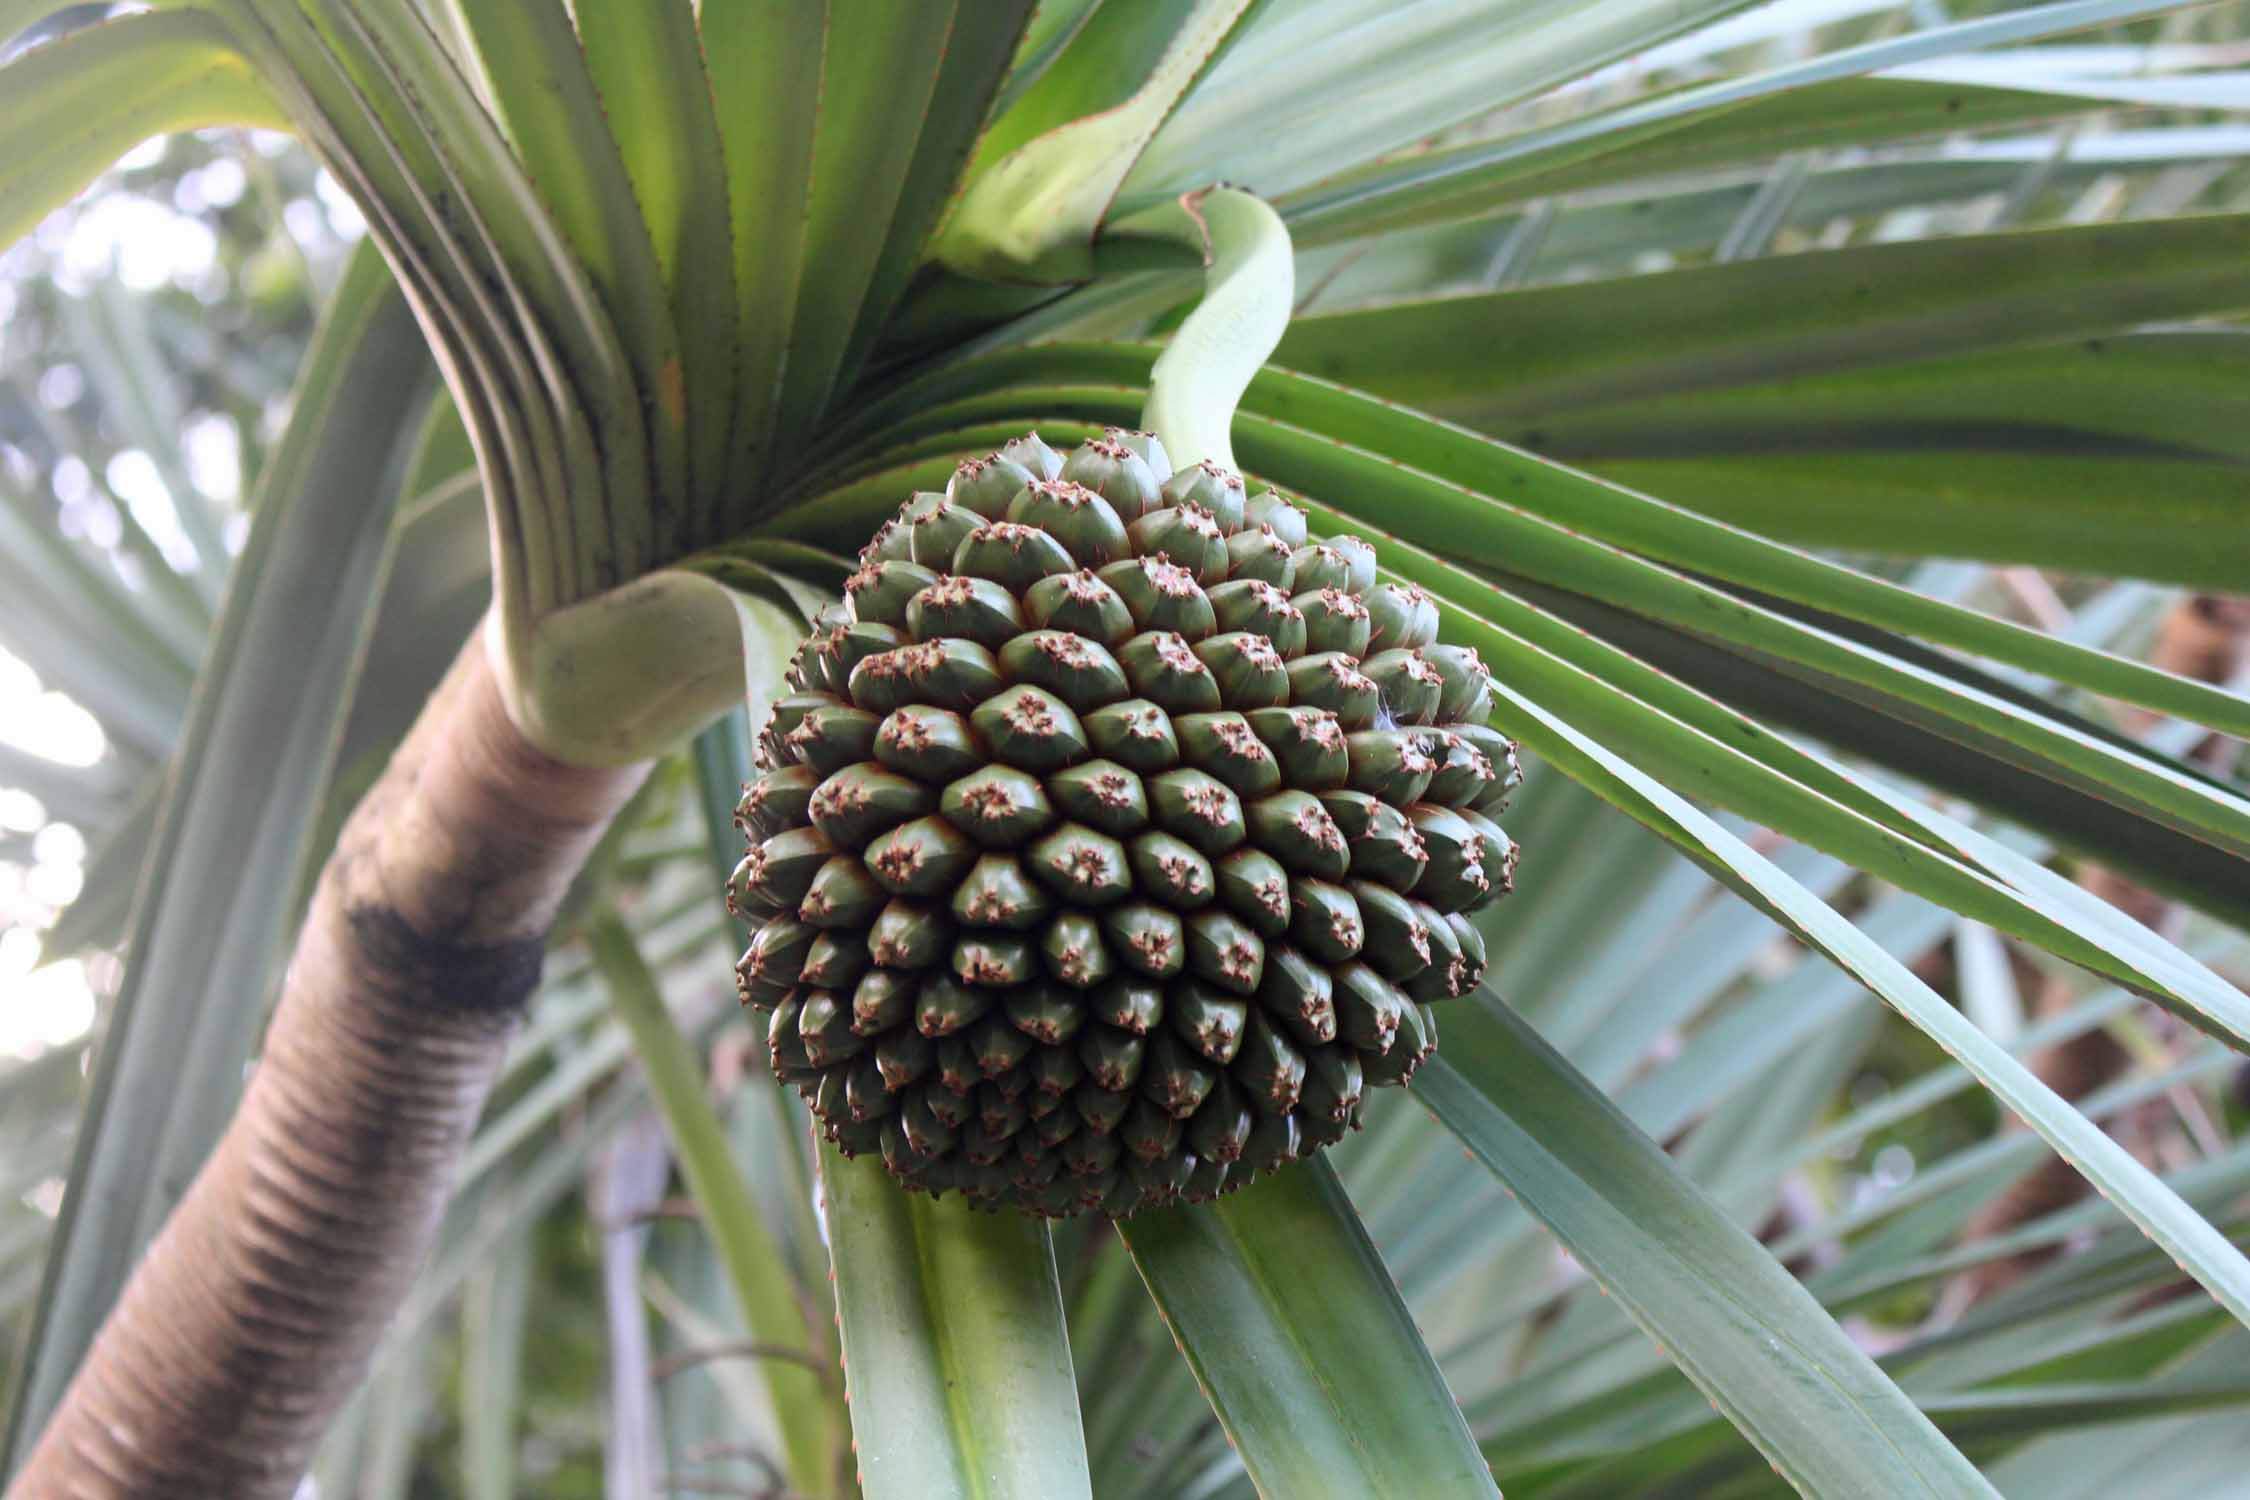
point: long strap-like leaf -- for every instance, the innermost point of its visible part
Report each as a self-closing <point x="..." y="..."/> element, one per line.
<point x="1723" y="1309"/>
<point x="77" y="104"/>
<point x="1297" y="1334"/>
<point x="247" y="787"/>
<point x="954" y="1349"/>
<point x="2201" y="1250"/>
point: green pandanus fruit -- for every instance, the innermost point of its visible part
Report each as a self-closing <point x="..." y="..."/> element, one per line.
<point x="1116" y="836"/>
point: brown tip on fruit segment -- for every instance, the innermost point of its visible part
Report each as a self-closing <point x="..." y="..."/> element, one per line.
<point x="1082" y="866"/>
<point x="990" y="801"/>
<point x="899" y="862"/>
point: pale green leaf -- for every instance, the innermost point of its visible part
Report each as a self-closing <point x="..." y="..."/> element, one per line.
<point x="954" y="1348"/>
<point x="1297" y="1334"/>
<point x="78" y="103"/>
<point x="647" y="65"/>
<point x="1718" y="1304"/>
<point x="1046" y="173"/>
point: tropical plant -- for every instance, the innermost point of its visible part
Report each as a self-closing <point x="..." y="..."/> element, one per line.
<point x="664" y="308"/>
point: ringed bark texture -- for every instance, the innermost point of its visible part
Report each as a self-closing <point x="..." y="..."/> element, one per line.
<point x="253" y="1315"/>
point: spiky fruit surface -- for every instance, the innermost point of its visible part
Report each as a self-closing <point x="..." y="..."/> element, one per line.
<point x="1116" y="838"/>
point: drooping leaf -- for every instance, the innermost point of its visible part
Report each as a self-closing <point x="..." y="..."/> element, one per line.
<point x="1671" y="534"/>
<point x="2191" y="1240"/>
<point x="1717" y="1302"/>
<point x="1103" y="383"/>
<point x="117" y="83"/>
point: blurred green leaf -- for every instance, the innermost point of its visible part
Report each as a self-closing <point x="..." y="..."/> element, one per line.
<point x="117" y="83"/>
<point x="1735" y="1322"/>
<point x="1822" y="101"/>
<point x="1307" y="97"/>
<point x="810" y="1420"/>
<point x="143" y="396"/>
<point x="1732" y="122"/>
<point x="775" y="1122"/>
<point x="494" y="1324"/>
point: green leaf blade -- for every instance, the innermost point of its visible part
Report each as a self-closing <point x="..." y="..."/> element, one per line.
<point x="768" y="107"/>
<point x="977" y="53"/>
<point x="647" y="64"/>
<point x="2187" y="1237"/>
<point x="2190" y="523"/>
<point x="1297" y="1334"/>
<point x="954" y="1347"/>
<point x="880" y="66"/>
<point x="545" y="93"/>
<point x="1716" y="1302"/>
<point x="1716" y="326"/>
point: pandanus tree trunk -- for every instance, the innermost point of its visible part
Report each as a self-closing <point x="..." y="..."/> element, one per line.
<point x="253" y="1315"/>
